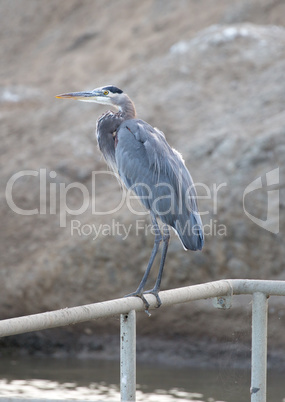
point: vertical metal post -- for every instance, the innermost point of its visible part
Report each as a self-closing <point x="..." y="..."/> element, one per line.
<point x="259" y="347"/>
<point x="128" y="356"/>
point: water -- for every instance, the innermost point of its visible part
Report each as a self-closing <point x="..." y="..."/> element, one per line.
<point x="72" y="378"/>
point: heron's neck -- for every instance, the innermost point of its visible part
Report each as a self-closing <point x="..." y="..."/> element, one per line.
<point x="128" y="109"/>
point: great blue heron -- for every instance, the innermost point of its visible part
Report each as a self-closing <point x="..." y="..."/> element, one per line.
<point x="157" y="174"/>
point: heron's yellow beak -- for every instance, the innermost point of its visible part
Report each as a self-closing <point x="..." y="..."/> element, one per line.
<point x="63" y="96"/>
<point x="85" y="96"/>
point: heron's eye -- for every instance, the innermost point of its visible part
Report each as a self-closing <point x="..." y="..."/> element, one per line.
<point x="105" y="92"/>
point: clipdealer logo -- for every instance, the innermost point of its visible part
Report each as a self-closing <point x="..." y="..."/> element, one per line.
<point x="53" y="199"/>
<point x="271" y="223"/>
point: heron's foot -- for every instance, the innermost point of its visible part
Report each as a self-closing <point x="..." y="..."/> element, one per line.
<point x="141" y="296"/>
<point x="155" y="292"/>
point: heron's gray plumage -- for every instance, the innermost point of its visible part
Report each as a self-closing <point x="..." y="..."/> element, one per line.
<point x="157" y="174"/>
<point x="146" y="163"/>
<point x="108" y="124"/>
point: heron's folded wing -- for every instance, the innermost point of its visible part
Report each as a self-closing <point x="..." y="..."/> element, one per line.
<point x="143" y="154"/>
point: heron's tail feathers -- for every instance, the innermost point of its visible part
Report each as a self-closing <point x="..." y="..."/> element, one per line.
<point x="190" y="232"/>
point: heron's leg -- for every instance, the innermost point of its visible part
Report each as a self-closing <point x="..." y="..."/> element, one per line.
<point x="157" y="240"/>
<point x="156" y="288"/>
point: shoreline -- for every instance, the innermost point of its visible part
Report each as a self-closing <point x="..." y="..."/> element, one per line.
<point x="177" y="352"/>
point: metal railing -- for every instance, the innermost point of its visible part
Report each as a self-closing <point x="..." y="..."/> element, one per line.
<point x="222" y="291"/>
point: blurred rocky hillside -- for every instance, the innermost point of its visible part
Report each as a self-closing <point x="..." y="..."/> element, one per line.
<point x="211" y="76"/>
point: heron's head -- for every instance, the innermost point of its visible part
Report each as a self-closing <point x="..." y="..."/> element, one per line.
<point x="108" y="95"/>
